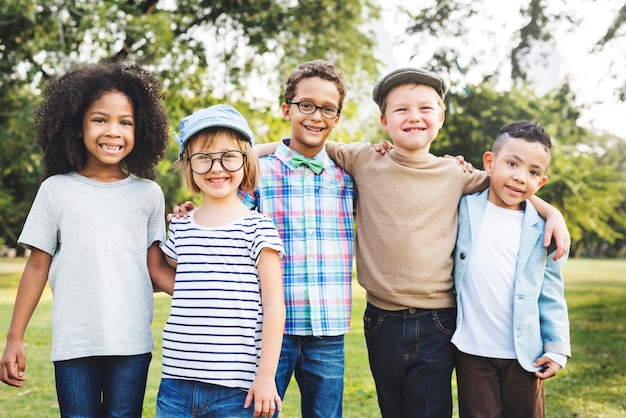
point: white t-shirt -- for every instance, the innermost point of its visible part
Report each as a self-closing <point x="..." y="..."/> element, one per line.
<point x="213" y="333"/>
<point x="487" y="289"/>
<point x="98" y="234"/>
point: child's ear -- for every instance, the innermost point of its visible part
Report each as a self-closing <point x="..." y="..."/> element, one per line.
<point x="383" y="122"/>
<point x="488" y="161"/>
<point x="286" y="111"/>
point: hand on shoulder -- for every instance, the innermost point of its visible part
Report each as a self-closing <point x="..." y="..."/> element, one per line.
<point x="181" y="211"/>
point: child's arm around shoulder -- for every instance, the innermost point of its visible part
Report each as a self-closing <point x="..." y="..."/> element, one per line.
<point x="349" y="156"/>
<point x="263" y="390"/>
<point x="556" y="228"/>
<point x="268" y="148"/>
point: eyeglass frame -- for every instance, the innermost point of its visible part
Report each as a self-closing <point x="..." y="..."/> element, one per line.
<point x="321" y="108"/>
<point x="210" y="155"/>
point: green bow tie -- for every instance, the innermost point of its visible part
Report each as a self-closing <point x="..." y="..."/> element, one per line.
<point x="315" y="165"/>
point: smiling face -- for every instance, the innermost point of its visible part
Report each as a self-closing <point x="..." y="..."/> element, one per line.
<point x="517" y="170"/>
<point x="218" y="183"/>
<point x="108" y="133"/>
<point x="413" y="115"/>
<point x="309" y="132"/>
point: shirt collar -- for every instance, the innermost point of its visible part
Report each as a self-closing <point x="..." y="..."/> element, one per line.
<point x="285" y="154"/>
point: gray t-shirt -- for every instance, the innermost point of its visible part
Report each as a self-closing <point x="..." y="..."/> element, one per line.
<point x="98" y="234"/>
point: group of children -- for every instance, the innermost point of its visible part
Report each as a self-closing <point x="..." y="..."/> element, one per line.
<point x="260" y="273"/>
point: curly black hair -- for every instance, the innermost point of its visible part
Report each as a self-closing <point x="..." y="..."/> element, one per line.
<point x="59" y="117"/>
<point x="317" y="68"/>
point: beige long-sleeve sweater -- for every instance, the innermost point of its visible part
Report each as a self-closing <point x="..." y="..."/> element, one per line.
<point x="406" y="224"/>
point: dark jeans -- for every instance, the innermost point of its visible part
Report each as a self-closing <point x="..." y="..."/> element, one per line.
<point x="496" y="388"/>
<point x="101" y="387"/>
<point x="411" y="358"/>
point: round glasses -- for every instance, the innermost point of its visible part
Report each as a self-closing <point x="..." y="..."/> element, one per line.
<point x="201" y="163"/>
<point x="308" y="108"/>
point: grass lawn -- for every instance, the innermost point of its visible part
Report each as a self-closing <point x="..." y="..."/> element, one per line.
<point x="592" y="385"/>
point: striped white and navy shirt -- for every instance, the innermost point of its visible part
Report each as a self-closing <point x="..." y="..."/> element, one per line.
<point x="213" y="334"/>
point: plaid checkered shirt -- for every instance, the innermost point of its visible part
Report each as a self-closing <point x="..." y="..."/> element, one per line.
<point x="314" y="215"/>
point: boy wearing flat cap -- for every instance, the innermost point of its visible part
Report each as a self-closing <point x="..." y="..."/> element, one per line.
<point x="406" y="232"/>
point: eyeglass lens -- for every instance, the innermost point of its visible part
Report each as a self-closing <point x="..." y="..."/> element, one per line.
<point x="202" y="163"/>
<point x="308" y="108"/>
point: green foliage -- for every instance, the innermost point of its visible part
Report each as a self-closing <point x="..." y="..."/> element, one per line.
<point x="590" y="186"/>
<point x="587" y="171"/>
<point x="581" y="178"/>
<point x="475" y="115"/>
<point x="206" y="52"/>
<point x="613" y="34"/>
<point x="240" y="52"/>
<point x="593" y="384"/>
<point x="19" y="162"/>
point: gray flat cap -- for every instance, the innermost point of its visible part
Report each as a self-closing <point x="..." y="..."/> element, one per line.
<point x="406" y="76"/>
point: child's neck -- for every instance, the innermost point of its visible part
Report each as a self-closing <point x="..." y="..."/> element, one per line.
<point x="303" y="149"/>
<point x="105" y="175"/>
<point x="415" y="154"/>
<point x="218" y="212"/>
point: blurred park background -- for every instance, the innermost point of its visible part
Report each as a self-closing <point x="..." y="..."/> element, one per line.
<point x="558" y="62"/>
<point x="505" y="61"/>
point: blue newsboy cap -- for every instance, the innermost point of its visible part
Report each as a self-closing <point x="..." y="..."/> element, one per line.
<point x="223" y="116"/>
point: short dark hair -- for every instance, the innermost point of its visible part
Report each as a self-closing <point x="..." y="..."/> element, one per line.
<point x="317" y="68"/>
<point x="528" y="131"/>
<point x="59" y="117"/>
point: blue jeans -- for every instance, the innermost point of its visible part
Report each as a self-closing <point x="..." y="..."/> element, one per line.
<point x="318" y="363"/>
<point x="189" y="398"/>
<point x="102" y="386"/>
<point x="411" y="359"/>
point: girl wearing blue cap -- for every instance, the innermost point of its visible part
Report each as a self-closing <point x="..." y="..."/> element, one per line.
<point x="222" y="341"/>
<point x="95" y="219"/>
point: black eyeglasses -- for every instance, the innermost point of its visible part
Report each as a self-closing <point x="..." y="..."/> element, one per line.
<point x="201" y="163"/>
<point x="308" y="108"/>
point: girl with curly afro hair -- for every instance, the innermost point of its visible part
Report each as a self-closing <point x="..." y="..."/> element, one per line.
<point x="96" y="219"/>
<point x="59" y="118"/>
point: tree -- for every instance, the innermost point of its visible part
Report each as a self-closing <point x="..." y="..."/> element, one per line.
<point x="615" y="32"/>
<point x="584" y="181"/>
<point x="236" y="51"/>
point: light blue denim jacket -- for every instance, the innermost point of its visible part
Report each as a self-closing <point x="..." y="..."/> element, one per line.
<point x="539" y="308"/>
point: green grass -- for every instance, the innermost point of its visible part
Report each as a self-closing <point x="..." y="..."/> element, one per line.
<point x="592" y="385"/>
